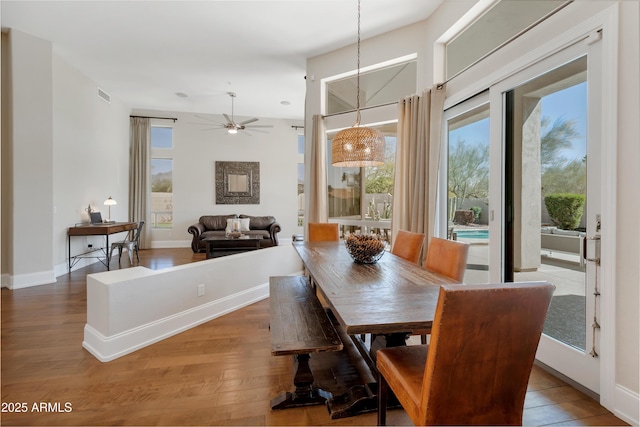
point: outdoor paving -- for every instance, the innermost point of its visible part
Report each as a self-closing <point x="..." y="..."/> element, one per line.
<point x="559" y="269"/>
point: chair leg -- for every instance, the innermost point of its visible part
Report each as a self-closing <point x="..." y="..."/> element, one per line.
<point x="119" y="254"/>
<point x="130" y="252"/>
<point x="137" y="254"/>
<point x="423" y="339"/>
<point x="382" y="400"/>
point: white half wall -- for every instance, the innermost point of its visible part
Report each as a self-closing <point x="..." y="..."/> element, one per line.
<point x="132" y="308"/>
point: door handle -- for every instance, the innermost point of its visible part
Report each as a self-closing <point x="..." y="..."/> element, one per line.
<point x="595" y="238"/>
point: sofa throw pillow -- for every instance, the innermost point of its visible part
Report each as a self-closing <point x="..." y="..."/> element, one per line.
<point x="244" y="224"/>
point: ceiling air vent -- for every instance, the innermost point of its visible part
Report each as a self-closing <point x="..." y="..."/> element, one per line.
<point x="104" y="96"/>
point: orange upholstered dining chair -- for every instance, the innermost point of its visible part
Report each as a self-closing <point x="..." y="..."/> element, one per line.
<point x="476" y="369"/>
<point x="323" y="232"/>
<point x="408" y="245"/>
<point x="447" y="257"/>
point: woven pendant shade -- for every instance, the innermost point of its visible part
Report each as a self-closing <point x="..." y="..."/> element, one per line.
<point x="357" y="147"/>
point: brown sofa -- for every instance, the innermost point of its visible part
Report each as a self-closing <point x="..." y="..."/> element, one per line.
<point x="215" y="225"/>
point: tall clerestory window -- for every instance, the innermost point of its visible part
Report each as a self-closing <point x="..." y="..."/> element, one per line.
<point x="161" y="177"/>
<point x="361" y="198"/>
<point x="300" y="180"/>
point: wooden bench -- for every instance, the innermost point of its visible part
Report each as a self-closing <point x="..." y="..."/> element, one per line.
<point x="299" y="326"/>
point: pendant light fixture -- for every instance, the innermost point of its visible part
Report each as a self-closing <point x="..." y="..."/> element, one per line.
<point x="358" y="146"/>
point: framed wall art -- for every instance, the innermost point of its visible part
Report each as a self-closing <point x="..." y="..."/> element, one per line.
<point x="237" y="183"/>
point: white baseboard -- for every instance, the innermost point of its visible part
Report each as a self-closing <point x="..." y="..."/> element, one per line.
<point x="627" y="406"/>
<point x="106" y="349"/>
<point x="5" y="281"/>
<point x="19" y="281"/>
<point x="165" y="244"/>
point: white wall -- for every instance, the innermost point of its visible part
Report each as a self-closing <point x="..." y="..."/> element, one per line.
<point x="67" y="149"/>
<point x="32" y="151"/>
<point x="421" y="38"/>
<point x="90" y="158"/>
<point x="628" y="196"/>
<point x="27" y="171"/>
<point x="195" y="153"/>
<point x="132" y="308"/>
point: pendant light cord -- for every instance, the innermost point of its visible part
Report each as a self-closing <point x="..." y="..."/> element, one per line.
<point x="358" y="73"/>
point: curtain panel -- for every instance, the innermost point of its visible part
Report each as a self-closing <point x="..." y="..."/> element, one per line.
<point x="417" y="163"/>
<point x="317" y="209"/>
<point x="139" y="186"/>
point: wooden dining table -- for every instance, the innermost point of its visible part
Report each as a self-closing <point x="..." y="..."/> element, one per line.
<point x="388" y="301"/>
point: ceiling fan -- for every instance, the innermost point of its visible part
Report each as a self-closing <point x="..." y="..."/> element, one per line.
<point x="231" y="125"/>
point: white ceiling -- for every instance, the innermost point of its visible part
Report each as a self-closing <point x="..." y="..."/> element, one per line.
<point x="144" y="52"/>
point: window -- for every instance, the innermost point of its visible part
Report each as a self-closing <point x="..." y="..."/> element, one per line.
<point x="161" y="177"/>
<point x="300" y="180"/>
<point x="361" y="197"/>
<point x="502" y="23"/>
<point x="467" y="135"/>
<point x="377" y="87"/>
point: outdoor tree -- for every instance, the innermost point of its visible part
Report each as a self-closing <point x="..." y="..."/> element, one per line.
<point x="469" y="165"/>
<point x="559" y="174"/>
<point x="556" y="137"/>
<point x="379" y="179"/>
<point x="161" y="183"/>
<point x="569" y="178"/>
<point x="468" y="172"/>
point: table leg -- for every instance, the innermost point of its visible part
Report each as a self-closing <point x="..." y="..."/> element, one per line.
<point x="207" y="245"/>
<point x="363" y="398"/>
<point x="305" y="394"/>
<point x="107" y="253"/>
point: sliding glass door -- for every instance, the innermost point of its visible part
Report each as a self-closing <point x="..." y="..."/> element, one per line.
<point x="522" y="185"/>
<point x="467" y="183"/>
<point x="551" y="200"/>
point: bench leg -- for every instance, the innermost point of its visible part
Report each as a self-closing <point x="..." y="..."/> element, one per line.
<point x="304" y="394"/>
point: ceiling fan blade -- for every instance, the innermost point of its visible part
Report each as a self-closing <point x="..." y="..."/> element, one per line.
<point x="260" y="126"/>
<point x="228" y="119"/>
<point x="204" y="118"/>
<point x="248" y="121"/>
<point x="207" y="124"/>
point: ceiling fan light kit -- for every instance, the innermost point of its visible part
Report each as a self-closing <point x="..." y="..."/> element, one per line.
<point x="358" y="146"/>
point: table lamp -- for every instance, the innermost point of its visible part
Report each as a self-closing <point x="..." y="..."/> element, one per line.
<point x="109" y="202"/>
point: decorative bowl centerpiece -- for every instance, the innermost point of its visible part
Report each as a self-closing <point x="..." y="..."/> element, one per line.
<point x="364" y="248"/>
<point x="234" y="234"/>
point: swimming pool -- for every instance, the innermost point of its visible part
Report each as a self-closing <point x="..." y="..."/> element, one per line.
<point x="472" y="234"/>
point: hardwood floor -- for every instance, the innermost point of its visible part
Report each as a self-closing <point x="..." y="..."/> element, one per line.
<point x="218" y="373"/>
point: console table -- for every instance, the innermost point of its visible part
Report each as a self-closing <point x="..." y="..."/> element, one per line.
<point x="105" y="229"/>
